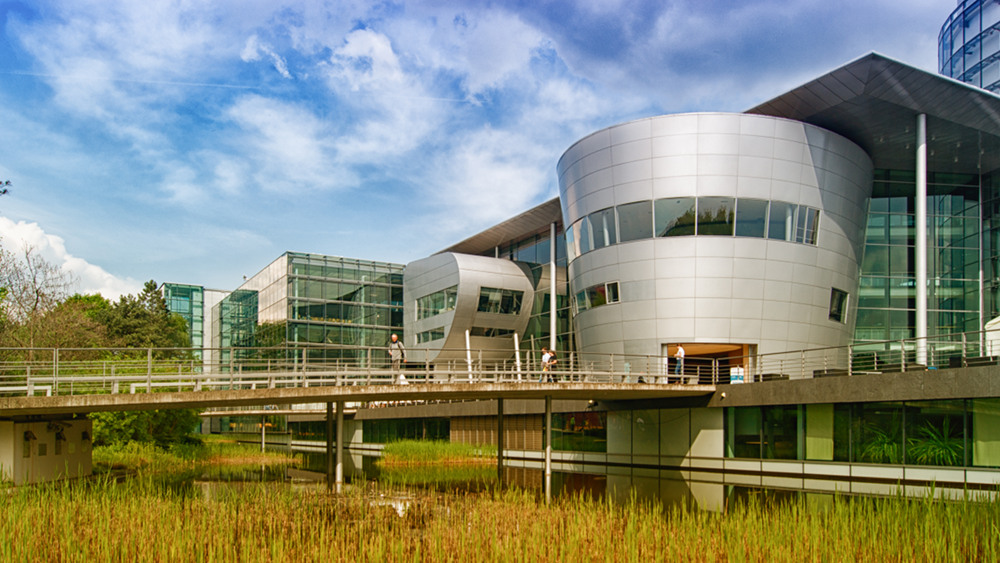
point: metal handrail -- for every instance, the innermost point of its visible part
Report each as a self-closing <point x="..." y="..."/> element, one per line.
<point x="31" y="371"/>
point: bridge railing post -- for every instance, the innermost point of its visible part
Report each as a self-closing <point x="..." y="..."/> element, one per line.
<point x="55" y="371"/>
<point x="149" y="370"/>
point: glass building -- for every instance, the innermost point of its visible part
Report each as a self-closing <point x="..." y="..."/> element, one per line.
<point x="313" y="307"/>
<point x="969" y="44"/>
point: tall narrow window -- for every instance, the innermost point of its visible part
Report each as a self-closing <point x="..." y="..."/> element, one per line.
<point x="838" y="305"/>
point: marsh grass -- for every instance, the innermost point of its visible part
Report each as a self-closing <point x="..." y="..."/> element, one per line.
<point x="144" y="518"/>
<point x="213" y="452"/>
<point x="417" y="452"/>
<point x="140" y="520"/>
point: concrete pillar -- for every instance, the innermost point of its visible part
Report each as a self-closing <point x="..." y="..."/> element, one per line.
<point x="500" y="444"/>
<point x="329" y="446"/>
<point x="339" y="473"/>
<point x="552" y="286"/>
<point x="263" y="433"/>
<point x="920" y="249"/>
<point x="548" y="449"/>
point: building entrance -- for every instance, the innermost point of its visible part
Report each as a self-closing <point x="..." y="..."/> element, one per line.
<point x="706" y="363"/>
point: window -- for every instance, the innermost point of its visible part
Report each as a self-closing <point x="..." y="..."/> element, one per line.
<point x="437" y="302"/>
<point x="603" y="225"/>
<point x="613" y="292"/>
<point x="805" y="231"/>
<point x="635" y="221"/>
<point x="674" y="217"/>
<point x="502" y="301"/>
<point x="838" y="305"/>
<point x="715" y="216"/>
<point x="751" y="217"/>
<point x="781" y="220"/>
<point x="597" y="295"/>
<point x="429" y="335"/>
<point x="489" y="332"/>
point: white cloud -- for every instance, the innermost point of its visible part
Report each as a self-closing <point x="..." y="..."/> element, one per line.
<point x="89" y="278"/>
<point x="289" y="147"/>
<point x="253" y="50"/>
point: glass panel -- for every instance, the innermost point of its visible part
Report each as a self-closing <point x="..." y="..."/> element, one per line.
<point x="780" y="437"/>
<point x="674" y="217"/>
<point x="780" y="221"/>
<point x="934" y="433"/>
<point x="838" y="305"/>
<point x="586" y="236"/>
<point x="985" y="439"/>
<point x="635" y="221"/>
<point x="878" y="433"/>
<point x="603" y="225"/>
<point x="715" y="216"/>
<point x="743" y="432"/>
<point x="502" y="301"/>
<point x="613" y="292"/>
<point x="751" y="217"/>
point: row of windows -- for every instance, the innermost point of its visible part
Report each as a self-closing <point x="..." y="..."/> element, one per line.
<point x="429" y="335"/>
<point x="438" y="333"/>
<point x="713" y="216"/>
<point x="502" y="301"/>
<point x="595" y="296"/>
<point x="437" y="302"/>
<point x="949" y="433"/>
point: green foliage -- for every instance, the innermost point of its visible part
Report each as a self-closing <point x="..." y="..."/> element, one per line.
<point x="160" y="427"/>
<point x="880" y="446"/>
<point x="936" y="446"/>
<point x="144" y="321"/>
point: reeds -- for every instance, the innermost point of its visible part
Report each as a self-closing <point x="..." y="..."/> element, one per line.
<point x="417" y="452"/>
<point x="141" y="520"/>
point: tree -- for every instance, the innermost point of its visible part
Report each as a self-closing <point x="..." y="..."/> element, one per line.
<point x="162" y="427"/>
<point x="31" y="288"/>
<point x="144" y="321"/>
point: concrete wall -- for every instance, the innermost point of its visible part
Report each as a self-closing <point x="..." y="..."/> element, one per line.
<point x="772" y="294"/>
<point x="53" y="450"/>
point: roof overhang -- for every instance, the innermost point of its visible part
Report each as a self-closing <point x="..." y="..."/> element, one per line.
<point x="874" y="101"/>
<point x="536" y="220"/>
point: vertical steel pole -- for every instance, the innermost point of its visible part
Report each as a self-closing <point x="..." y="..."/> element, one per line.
<point x="339" y="472"/>
<point x="548" y="449"/>
<point x="329" y="446"/>
<point x="263" y="435"/>
<point x="552" y="286"/>
<point x="920" y="248"/>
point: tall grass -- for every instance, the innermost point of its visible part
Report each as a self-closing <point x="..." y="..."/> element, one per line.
<point x="213" y="451"/>
<point x="139" y="520"/>
<point x="415" y="452"/>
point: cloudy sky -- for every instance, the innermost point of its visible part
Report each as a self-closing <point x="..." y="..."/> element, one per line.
<point x="195" y="141"/>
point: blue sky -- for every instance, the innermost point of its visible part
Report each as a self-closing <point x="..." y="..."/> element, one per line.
<point x="196" y="141"/>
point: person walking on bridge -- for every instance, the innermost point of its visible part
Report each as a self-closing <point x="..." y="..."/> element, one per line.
<point x="397" y="353"/>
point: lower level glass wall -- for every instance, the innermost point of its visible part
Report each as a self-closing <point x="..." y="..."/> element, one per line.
<point x="391" y="430"/>
<point x="962" y="432"/>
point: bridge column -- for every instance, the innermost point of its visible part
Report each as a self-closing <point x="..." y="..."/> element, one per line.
<point x="329" y="446"/>
<point x="548" y="449"/>
<point x="339" y="474"/>
<point x="500" y="441"/>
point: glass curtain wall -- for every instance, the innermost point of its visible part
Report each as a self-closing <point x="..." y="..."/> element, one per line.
<point x="324" y="308"/>
<point x="949" y="433"/>
<point x="535" y="251"/>
<point x="887" y="299"/>
<point x="341" y="309"/>
<point x="188" y="301"/>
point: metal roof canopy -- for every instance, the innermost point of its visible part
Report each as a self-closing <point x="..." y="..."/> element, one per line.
<point x="533" y="221"/>
<point x="874" y="101"/>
